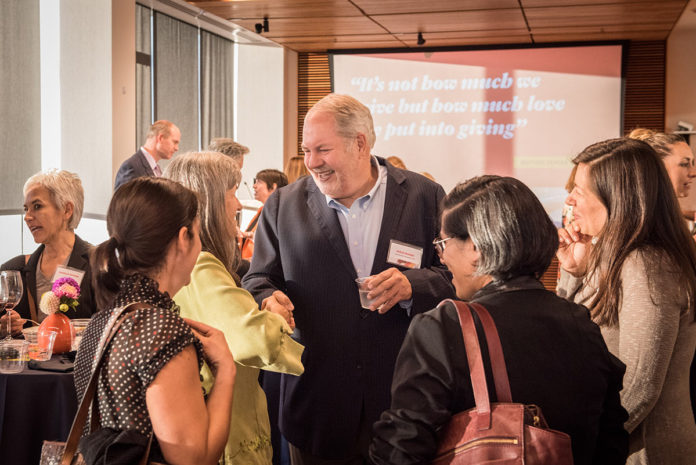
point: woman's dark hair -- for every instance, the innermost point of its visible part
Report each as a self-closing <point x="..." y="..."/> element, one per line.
<point x="270" y="177"/>
<point x="642" y="213"/>
<point x="507" y="224"/>
<point x="144" y="217"/>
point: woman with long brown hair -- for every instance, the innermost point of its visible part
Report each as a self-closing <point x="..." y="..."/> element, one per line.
<point x="628" y="257"/>
<point x="679" y="161"/>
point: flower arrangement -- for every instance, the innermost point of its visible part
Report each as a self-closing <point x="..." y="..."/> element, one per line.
<point x="62" y="296"/>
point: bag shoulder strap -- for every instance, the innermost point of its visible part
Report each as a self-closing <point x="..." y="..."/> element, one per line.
<point x="495" y="352"/>
<point x="82" y="412"/>
<point x="475" y="359"/>
<point x="473" y="356"/>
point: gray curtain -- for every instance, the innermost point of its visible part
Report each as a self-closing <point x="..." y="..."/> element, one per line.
<point x="176" y="77"/>
<point x="20" y="99"/>
<point x="143" y="101"/>
<point x="217" y="87"/>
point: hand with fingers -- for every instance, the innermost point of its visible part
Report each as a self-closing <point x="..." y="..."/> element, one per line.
<point x="573" y="249"/>
<point x="388" y="288"/>
<point x="16" y="323"/>
<point x="216" y="351"/>
<point x="279" y="303"/>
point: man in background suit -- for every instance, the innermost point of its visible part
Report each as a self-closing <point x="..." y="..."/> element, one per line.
<point x="229" y="147"/>
<point x="161" y="143"/>
<point x="355" y="216"/>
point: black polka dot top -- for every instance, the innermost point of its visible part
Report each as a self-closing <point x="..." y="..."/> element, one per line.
<point x="146" y="341"/>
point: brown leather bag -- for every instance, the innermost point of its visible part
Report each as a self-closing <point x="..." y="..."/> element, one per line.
<point x="503" y="432"/>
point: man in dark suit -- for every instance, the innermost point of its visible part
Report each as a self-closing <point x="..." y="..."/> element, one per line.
<point x="356" y="216"/>
<point x="162" y="142"/>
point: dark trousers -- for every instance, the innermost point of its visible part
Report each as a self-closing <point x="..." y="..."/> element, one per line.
<point x="358" y="455"/>
<point x="270" y="382"/>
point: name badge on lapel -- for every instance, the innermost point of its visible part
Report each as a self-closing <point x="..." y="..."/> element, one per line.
<point x="69" y="272"/>
<point x="403" y="254"/>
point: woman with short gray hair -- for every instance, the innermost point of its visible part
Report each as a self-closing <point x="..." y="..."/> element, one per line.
<point x="497" y="240"/>
<point x="53" y="205"/>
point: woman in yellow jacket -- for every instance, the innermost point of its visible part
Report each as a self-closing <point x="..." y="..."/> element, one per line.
<point x="258" y="338"/>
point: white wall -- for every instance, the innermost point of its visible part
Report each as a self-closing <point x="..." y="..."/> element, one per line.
<point x="86" y="100"/>
<point x="123" y="96"/>
<point x="76" y="107"/>
<point x="259" y="109"/>
<point x="11" y="244"/>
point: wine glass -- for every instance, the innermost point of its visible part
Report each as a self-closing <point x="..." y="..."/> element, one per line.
<point x="11" y="290"/>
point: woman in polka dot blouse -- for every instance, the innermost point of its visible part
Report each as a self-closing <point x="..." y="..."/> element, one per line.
<point x="149" y="380"/>
<point x="258" y="339"/>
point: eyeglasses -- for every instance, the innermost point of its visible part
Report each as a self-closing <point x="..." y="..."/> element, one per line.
<point x="440" y="244"/>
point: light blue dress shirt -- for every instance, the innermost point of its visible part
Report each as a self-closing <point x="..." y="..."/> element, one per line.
<point x="362" y="221"/>
<point x="361" y="224"/>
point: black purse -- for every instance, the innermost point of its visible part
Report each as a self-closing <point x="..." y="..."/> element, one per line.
<point x="104" y="446"/>
<point x="107" y="446"/>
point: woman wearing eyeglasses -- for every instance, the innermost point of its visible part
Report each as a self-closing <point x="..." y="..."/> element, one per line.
<point x="497" y="240"/>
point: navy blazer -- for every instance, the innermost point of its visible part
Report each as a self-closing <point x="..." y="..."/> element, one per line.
<point x="349" y="352"/>
<point x="134" y="167"/>
<point x="79" y="258"/>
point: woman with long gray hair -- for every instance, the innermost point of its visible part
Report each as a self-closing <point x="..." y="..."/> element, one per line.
<point x="257" y="338"/>
<point x="497" y="240"/>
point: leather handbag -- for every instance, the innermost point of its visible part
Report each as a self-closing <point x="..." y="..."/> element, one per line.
<point x="106" y="446"/>
<point x="503" y="432"/>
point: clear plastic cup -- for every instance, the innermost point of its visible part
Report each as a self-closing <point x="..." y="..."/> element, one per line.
<point x="31" y="335"/>
<point x="365" y="302"/>
<point x="40" y="352"/>
<point x="13" y="355"/>
<point x="79" y="326"/>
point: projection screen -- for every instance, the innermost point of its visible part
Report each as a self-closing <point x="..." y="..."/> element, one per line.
<point x="513" y="112"/>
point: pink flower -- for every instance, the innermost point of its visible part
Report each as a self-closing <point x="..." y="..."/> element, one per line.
<point x="66" y="287"/>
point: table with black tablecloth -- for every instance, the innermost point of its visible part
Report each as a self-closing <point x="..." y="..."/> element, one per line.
<point x="34" y="406"/>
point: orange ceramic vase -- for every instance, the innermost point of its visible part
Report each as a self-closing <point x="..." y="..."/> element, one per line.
<point x="59" y="323"/>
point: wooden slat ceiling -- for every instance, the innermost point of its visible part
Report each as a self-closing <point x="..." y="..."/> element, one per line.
<point x="320" y="25"/>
